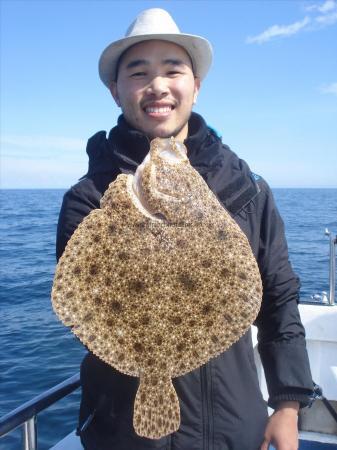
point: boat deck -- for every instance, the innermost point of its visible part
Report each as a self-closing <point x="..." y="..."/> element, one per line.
<point x="308" y="441"/>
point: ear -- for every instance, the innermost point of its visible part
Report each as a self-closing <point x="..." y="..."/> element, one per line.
<point x="197" y="85"/>
<point x="114" y="92"/>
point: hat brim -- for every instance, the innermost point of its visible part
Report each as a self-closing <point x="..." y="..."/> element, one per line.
<point x="198" y="48"/>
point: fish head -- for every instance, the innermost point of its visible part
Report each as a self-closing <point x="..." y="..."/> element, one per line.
<point x="165" y="182"/>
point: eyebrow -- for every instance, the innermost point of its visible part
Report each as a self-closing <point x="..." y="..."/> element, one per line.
<point x="141" y="62"/>
<point x="173" y="62"/>
<point x="136" y="63"/>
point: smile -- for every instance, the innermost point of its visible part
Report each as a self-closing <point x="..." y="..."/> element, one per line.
<point x="158" y="109"/>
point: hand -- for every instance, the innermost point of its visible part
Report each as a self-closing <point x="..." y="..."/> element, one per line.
<point x="281" y="430"/>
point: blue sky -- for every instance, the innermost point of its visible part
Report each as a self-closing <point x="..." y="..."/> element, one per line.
<point x="271" y="92"/>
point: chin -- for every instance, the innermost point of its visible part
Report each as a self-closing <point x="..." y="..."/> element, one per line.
<point x="160" y="134"/>
<point x="152" y="134"/>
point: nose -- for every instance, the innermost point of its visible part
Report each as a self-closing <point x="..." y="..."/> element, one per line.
<point x="157" y="87"/>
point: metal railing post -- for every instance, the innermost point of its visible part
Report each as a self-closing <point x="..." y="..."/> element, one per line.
<point x="26" y="414"/>
<point x="332" y="267"/>
<point x="29" y="436"/>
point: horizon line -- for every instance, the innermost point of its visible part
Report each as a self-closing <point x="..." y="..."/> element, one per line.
<point x="69" y="187"/>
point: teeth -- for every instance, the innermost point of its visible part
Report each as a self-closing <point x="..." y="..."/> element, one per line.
<point x="163" y="109"/>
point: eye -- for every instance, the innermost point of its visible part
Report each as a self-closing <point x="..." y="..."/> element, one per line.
<point x="138" y="74"/>
<point x="173" y="73"/>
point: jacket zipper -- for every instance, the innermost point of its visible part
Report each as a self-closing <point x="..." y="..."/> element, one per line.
<point x="207" y="409"/>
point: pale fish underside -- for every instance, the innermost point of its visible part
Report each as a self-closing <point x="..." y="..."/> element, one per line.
<point x="158" y="281"/>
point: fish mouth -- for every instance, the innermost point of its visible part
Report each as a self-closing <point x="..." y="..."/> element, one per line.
<point x="172" y="151"/>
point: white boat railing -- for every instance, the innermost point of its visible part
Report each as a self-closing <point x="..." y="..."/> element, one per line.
<point x="332" y="266"/>
<point x="324" y="298"/>
<point x="26" y="414"/>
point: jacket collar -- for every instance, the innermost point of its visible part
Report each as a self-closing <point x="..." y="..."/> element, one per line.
<point x="131" y="146"/>
<point x="226" y="175"/>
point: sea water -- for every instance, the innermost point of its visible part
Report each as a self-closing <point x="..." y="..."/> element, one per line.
<point x="37" y="351"/>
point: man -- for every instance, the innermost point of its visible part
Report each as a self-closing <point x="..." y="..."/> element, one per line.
<point x="154" y="75"/>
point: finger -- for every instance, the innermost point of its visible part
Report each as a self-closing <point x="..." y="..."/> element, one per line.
<point x="265" y="445"/>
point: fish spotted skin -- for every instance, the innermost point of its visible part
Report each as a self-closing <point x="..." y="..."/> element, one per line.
<point x="158" y="280"/>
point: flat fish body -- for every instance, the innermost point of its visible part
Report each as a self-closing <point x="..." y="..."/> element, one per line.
<point x="158" y="281"/>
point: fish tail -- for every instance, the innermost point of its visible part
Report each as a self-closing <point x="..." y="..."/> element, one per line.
<point x="156" y="409"/>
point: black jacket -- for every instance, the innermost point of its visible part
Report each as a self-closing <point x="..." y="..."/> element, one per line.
<point x="221" y="404"/>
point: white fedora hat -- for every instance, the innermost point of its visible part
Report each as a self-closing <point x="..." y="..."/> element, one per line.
<point x="155" y="23"/>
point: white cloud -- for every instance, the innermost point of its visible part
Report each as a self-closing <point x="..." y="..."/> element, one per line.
<point x="43" y="147"/>
<point x="329" y="88"/>
<point x="41" y="161"/>
<point x="327" y="19"/>
<point x="37" y="173"/>
<point x="279" y="31"/>
<point x="43" y="142"/>
<point x="328" y="5"/>
<point x="321" y="15"/>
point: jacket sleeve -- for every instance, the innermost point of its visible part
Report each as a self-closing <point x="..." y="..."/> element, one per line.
<point x="78" y="201"/>
<point x="281" y="335"/>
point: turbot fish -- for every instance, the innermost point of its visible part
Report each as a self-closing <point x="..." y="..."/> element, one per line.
<point x="158" y="280"/>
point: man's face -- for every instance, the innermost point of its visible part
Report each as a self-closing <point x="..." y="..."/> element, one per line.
<point x="156" y="89"/>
